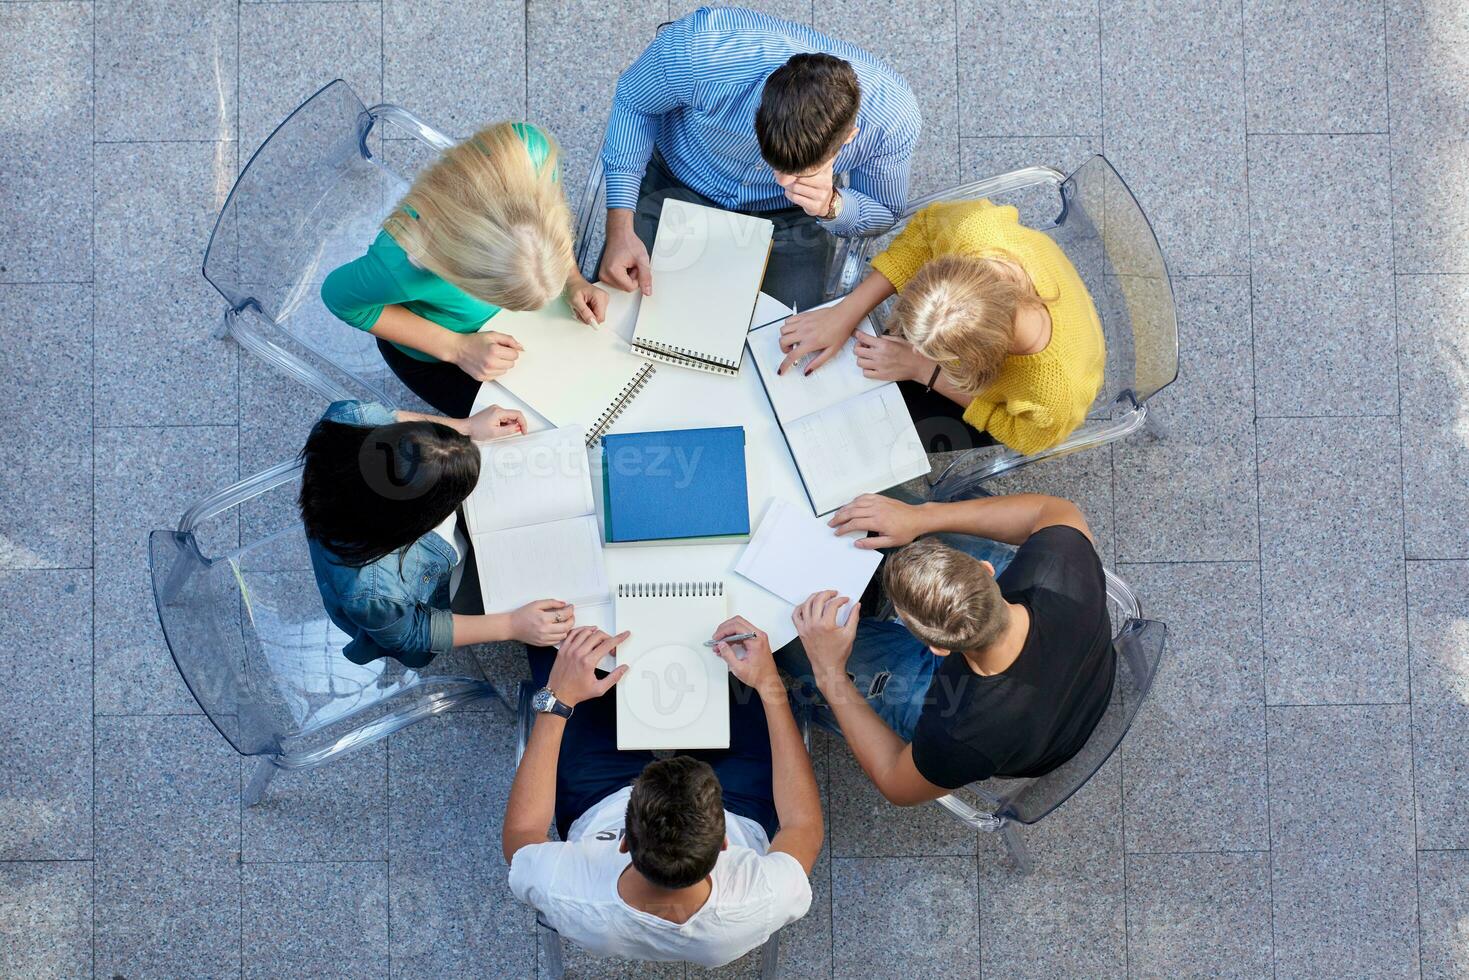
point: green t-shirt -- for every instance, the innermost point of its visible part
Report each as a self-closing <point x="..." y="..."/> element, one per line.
<point x="357" y="292"/>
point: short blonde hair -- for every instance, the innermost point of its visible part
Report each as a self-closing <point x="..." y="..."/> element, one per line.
<point x="960" y="310"/>
<point x="946" y="598"/>
<point x="489" y="220"/>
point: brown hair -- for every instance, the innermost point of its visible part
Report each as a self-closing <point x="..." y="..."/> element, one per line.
<point x="945" y="597"/>
<point x="806" y="111"/>
<point x="960" y="311"/>
<point x="675" y="821"/>
<point x="489" y="220"/>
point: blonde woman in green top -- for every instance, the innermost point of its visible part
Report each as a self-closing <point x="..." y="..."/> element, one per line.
<point x="485" y="227"/>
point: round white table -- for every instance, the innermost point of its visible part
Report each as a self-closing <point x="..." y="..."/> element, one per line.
<point x="680" y="398"/>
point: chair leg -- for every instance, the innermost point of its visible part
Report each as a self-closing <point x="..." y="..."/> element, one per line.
<point x="264" y="772"/>
<point x="1019" y="853"/>
<point x="770" y="957"/>
<point x="549" y="941"/>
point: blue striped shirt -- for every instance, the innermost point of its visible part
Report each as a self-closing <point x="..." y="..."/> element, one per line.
<point x="693" y="94"/>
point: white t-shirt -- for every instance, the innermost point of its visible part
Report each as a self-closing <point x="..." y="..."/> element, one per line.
<point x="574" y="886"/>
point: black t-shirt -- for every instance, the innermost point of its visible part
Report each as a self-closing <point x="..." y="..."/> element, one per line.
<point x="1039" y="712"/>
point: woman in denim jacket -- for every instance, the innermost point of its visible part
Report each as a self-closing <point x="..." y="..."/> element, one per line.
<point x="380" y="495"/>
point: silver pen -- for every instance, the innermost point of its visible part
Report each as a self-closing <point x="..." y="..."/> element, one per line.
<point x="734" y="638"/>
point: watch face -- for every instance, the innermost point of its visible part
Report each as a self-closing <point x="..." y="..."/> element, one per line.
<point x="543" y="700"/>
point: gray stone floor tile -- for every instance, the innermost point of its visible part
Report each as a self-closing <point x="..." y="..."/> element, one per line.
<point x="1156" y="59"/>
<point x="1315" y="68"/>
<point x="930" y="901"/>
<point x="157" y="361"/>
<point x="146" y="479"/>
<point x="1335" y="632"/>
<point x="1055" y="89"/>
<point x="407" y="157"/>
<point x="1085" y="478"/>
<point x="863" y="824"/>
<point x="1443" y="899"/>
<point x="1325" y="345"/>
<point x="1433" y="344"/>
<point x="46" y="656"/>
<point x="46" y="919"/>
<point x="1194" y="773"/>
<point x="573" y="105"/>
<point x="315" y="920"/>
<point x="283" y="48"/>
<point x="1430" y="200"/>
<point x="1192" y="915"/>
<point x="168" y="832"/>
<point x="920" y="46"/>
<point x="45" y="142"/>
<point x="448" y="779"/>
<point x="1186" y="484"/>
<point x="334" y="812"/>
<point x="419" y="74"/>
<point x="1342" y="872"/>
<point x="1438" y="631"/>
<point x="798" y="11"/>
<point x="987" y="156"/>
<point x="453" y="915"/>
<point x="1329" y="487"/>
<point x="50" y="525"/>
<point x="167" y="70"/>
<point x="1441" y="774"/>
<point x="581" y="965"/>
<point x="1317" y="204"/>
<point x="1428" y="69"/>
<point x="276" y="415"/>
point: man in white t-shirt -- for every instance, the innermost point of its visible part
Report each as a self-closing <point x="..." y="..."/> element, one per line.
<point x="699" y="857"/>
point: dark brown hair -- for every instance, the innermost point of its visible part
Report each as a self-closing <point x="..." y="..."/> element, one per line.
<point x="806" y="111"/>
<point x="675" y="821"/>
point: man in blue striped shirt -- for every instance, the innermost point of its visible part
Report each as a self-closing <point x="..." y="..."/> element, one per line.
<point x="739" y="110"/>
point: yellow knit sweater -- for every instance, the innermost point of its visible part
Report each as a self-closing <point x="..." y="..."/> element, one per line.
<point x="1038" y="398"/>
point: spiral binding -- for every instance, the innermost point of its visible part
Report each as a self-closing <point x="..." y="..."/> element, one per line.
<point x="619" y="404"/>
<point x="669" y="590"/>
<point x="684" y="357"/>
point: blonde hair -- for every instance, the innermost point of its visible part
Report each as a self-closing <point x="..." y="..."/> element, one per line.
<point x="960" y="311"/>
<point x="489" y="220"/>
<point x="946" y="598"/>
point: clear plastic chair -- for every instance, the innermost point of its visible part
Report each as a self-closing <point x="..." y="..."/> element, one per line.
<point x="547" y="938"/>
<point x="310" y="199"/>
<point x="248" y="632"/>
<point x="1098" y="223"/>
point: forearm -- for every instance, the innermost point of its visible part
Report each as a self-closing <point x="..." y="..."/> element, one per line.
<point x="797" y="801"/>
<point x="1011" y="518"/>
<point x="532" y="803"/>
<point x="870" y="292"/>
<point x="469" y="630"/>
<point x="877" y="747"/>
<point x="951" y="391"/>
<point x="398" y="325"/>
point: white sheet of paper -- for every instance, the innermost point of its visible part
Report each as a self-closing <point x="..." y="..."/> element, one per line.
<point x="795" y="394"/>
<point x="676" y="692"/>
<point x="531" y="479"/>
<point x="559" y="560"/>
<point x="795" y="555"/>
<point x="863" y="445"/>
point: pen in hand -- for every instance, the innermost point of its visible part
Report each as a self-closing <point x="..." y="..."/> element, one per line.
<point x="732" y="638"/>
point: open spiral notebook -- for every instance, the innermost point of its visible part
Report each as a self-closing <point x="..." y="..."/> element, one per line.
<point x="676" y="692"/>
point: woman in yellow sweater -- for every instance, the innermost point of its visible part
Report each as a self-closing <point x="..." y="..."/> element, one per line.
<point x="991" y="315"/>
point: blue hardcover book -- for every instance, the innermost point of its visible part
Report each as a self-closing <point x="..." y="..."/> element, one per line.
<point x="675" y="484"/>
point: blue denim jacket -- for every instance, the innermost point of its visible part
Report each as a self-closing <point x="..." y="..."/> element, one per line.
<point x="397" y="606"/>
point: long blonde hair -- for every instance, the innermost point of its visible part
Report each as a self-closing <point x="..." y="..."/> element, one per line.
<point x="960" y="311"/>
<point x="489" y="220"/>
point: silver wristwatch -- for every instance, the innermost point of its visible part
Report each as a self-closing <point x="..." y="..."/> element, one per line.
<point x="546" y="703"/>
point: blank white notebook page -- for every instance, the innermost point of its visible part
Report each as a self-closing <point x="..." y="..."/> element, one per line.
<point x="676" y="692"/>
<point x="795" y="555"/>
<point x="531" y="480"/>
<point x="863" y="445"/>
<point x="707" y="268"/>
<point x="560" y="560"/>
<point x="794" y="393"/>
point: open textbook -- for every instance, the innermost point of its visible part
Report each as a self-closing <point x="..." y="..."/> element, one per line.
<point x="707" y="268"/>
<point x="676" y="692"/>
<point x="848" y="434"/>
<point x="533" y="522"/>
<point x="572" y="373"/>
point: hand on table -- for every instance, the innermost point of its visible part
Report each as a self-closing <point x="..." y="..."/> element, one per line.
<point x="891" y="359"/>
<point x="893" y="522"/>
<point x="494" y="423"/>
<point x="827" y="645"/>
<point x="574" y="674"/>
<point x="486" y="355"/>
<point x="543" y="623"/>
<point x="749" y="660"/>
<point x="587" y="301"/>
<point x="625" y="262"/>
<point x="821" y="332"/>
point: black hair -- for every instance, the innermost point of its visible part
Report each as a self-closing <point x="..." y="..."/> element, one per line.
<point x="807" y="108"/>
<point x="367" y="491"/>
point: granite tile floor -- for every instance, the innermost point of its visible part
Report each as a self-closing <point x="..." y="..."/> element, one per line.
<point x="1291" y="805"/>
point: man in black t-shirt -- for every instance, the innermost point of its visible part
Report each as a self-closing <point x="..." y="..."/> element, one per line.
<point x="1025" y="662"/>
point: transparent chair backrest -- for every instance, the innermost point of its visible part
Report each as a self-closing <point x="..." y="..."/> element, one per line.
<point x="311" y="199"/>
<point x="253" y="642"/>
<point x="591" y="225"/>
